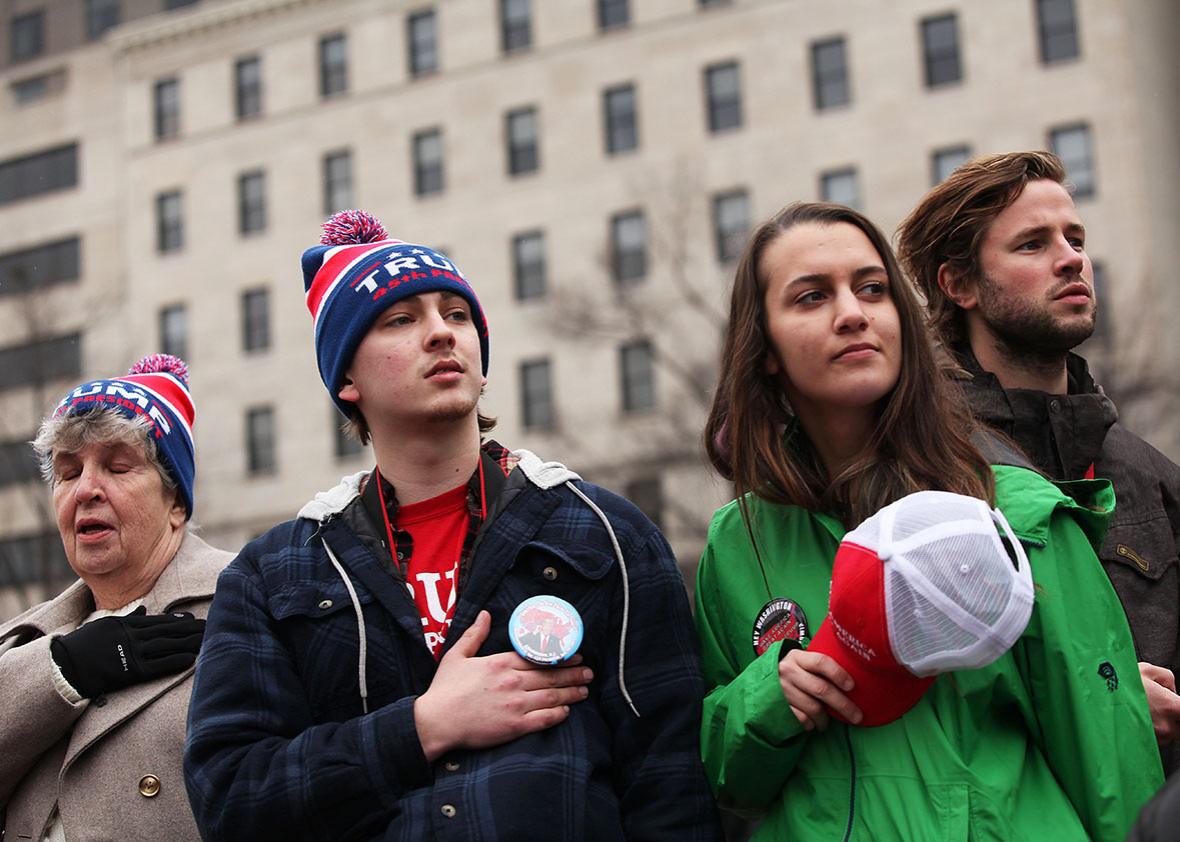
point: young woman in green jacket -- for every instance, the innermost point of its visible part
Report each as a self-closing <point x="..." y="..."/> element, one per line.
<point x="829" y="407"/>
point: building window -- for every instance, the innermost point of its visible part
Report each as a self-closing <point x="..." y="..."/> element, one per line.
<point x="101" y="15"/>
<point x="166" y="101"/>
<point x="174" y="330"/>
<point x="252" y="202"/>
<point x="26" y="36"/>
<point x="1057" y="30"/>
<point x="422" y="33"/>
<point x="944" y="161"/>
<point x="628" y="245"/>
<point x="829" y="74"/>
<point x="648" y="496"/>
<point x="248" y="87"/>
<point x="428" y="162"/>
<point x="40" y="361"/>
<point x="260" y="440"/>
<point x="528" y="265"/>
<point x="345" y="445"/>
<point x="170" y="5"/>
<point x="620" y="119"/>
<point x="520" y="126"/>
<point x="841" y="187"/>
<point x="637" y="367"/>
<point x="731" y="224"/>
<point x="516" y="25"/>
<point x="29" y="90"/>
<point x="42" y="172"/>
<point x="40" y="266"/>
<point x="1072" y="145"/>
<point x="333" y="65"/>
<point x="255" y="320"/>
<point x="613" y="13"/>
<point x="723" y="96"/>
<point x="940" y="50"/>
<point x="707" y="4"/>
<point x="41" y="558"/>
<point x="337" y="181"/>
<point x="18" y="463"/>
<point x="536" y="395"/>
<point x="169" y="222"/>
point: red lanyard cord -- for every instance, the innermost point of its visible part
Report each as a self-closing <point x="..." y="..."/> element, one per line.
<point x="483" y="506"/>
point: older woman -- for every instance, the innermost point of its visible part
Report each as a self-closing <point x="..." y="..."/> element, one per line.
<point x="94" y="684"/>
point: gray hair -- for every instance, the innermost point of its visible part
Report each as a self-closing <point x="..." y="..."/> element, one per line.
<point x="70" y="432"/>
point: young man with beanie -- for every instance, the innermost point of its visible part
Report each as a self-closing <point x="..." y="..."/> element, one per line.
<point x="999" y="250"/>
<point x="359" y="678"/>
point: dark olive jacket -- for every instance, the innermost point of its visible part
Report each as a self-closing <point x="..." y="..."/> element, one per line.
<point x="1064" y="435"/>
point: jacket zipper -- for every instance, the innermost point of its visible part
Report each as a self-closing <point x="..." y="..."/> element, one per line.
<point x="851" y="786"/>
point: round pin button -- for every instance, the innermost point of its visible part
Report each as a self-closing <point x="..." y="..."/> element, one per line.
<point x="545" y="630"/>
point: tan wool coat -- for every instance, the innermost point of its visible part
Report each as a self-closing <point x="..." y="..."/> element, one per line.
<point x="112" y="764"/>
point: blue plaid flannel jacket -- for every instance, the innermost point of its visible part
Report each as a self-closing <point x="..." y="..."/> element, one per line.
<point x="279" y="747"/>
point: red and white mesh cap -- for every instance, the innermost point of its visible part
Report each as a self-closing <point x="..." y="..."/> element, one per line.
<point x="932" y="583"/>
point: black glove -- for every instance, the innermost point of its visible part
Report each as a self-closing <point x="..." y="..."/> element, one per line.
<point x="117" y="652"/>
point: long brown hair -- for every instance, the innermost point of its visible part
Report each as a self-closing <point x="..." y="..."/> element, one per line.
<point x="921" y="440"/>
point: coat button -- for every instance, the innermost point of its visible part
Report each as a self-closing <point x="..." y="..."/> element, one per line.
<point x="451" y="766"/>
<point x="1054" y="405"/>
<point x="325" y="604"/>
<point x="149" y="786"/>
<point x="550" y="574"/>
<point x="448" y="810"/>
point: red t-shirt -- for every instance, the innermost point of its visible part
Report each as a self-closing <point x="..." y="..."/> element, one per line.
<point x="438" y="527"/>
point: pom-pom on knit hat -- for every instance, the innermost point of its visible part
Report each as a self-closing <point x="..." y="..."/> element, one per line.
<point x="156" y="387"/>
<point x="355" y="274"/>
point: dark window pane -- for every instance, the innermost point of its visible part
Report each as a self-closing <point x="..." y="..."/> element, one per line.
<point x="428" y="162"/>
<point x="723" y="96"/>
<point x="255" y="320"/>
<point x="829" y="73"/>
<point x="260" y="440"/>
<point x="248" y="87"/>
<point x="841" y="187"/>
<point x="648" y="496"/>
<point x="944" y="161"/>
<point x="333" y="65"/>
<point x="515" y="25"/>
<point x="612" y="13"/>
<point x="1072" y="144"/>
<point x="628" y="239"/>
<point x="252" y="202"/>
<point x="731" y="224"/>
<point x="26" y="36"/>
<point x="43" y="172"/>
<point x="41" y="266"/>
<point x="637" y="367"/>
<point x="101" y="15"/>
<point x="337" y="182"/>
<point x="38" y="558"/>
<point x="18" y="463"/>
<point x="621" y="124"/>
<point x="169" y="5"/>
<point x="1057" y="30"/>
<point x="174" y="331"/>
<point x="528" y="265"/>
<point x="536" y="395"/>
<point x="166" y="99"/>
<point x="169" y="222"/>
<point x="41" y="361"/>
<point x="520" y="126"/>
<point x="940" y="47"/>
<point x="422" y="32"/>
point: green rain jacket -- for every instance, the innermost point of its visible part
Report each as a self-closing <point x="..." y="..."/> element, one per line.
<point x="1053" y="741"/>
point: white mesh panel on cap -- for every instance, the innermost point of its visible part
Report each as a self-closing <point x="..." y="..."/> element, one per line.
<point x="953" y="597"/>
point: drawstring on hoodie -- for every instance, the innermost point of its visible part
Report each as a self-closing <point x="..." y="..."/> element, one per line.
<point x="360" y="621"/>
<point x="626" y="591"/>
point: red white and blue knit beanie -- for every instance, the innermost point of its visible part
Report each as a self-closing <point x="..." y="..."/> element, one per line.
<point x="355" y="274"/>
<point x="156" y="387"/>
